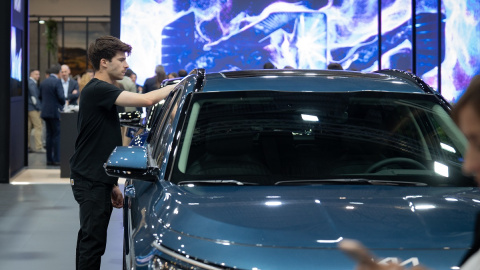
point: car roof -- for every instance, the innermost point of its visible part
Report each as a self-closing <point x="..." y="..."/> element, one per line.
<point x="308" y="81"/>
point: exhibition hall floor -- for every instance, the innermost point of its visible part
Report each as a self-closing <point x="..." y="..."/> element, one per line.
<point x="39" y="222"/>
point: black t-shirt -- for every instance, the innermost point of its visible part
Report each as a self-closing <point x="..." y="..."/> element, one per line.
<point x="98" y="131"/>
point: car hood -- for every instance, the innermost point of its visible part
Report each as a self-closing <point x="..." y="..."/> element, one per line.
<point x="382" y="217"/>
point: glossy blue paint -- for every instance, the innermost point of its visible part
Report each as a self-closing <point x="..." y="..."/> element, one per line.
<point x="301" y="226"/>
<point x="290" y="227"/>
<point x="309" y="80"/>
<point x="133" y="157"/>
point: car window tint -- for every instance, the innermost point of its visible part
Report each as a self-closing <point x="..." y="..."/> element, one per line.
<point x="263" y="136"/>
<point x="163" y="142"/>
<point x="156" y="132"/>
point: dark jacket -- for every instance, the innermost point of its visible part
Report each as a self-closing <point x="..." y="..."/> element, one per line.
<point x="33" y="92"/>
<point x="150" y="84"/>
<point x="72" y="98"/>
<point x="52" y="97"/>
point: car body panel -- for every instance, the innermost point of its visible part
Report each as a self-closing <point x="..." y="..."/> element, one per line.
<point x="306" y="223"/>
<point x="294" y="226"/>
<point x="325" y="81"/>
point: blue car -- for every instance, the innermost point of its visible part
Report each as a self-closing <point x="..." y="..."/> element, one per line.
<point x="271" y="169"/>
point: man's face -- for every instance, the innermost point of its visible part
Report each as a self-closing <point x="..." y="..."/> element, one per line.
<point x="65" y="72"/>
<point x="469" y="123"/>
<point x="117" y="67"/>
<point x="35" y="75"/>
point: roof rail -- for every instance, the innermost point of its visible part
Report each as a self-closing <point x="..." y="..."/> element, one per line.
<point x="409" y="76"/>
<point x="415" y="79"/>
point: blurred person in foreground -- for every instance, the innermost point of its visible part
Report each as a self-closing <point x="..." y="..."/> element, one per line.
<point x="466" y="114"/>
<point x="98" y="135"/>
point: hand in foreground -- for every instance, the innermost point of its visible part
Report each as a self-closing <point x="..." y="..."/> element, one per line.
<point x="117" y="197"/>
<point x="367" y="261"/>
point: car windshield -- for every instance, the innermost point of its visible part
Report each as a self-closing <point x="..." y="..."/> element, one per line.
<point x="308" y="138"/>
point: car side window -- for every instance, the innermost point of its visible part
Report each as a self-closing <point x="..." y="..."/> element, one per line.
<point x="161" y="141"/>
<point x="157" y="127"/>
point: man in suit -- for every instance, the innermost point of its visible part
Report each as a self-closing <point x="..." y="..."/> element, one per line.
<point x="155" y="81"/>
<point x="70" y="86"/>
<point x="53" y="98"/>
<point x="34" y="107"/>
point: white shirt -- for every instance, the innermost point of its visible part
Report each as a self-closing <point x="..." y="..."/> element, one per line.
<point x="65" y="87"/>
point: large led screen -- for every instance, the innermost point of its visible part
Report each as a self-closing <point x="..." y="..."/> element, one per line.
<point x="462" y="50"/>
<point x="234" y="35"/>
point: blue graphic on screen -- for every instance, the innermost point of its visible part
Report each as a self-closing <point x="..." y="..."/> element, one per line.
<point x="297" y="39"/>
<point x="16" y="54"/>
<point x="231" y="35"/>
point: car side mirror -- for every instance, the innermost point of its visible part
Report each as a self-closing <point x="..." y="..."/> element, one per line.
<point x="131" y="119"/>
<point x="131" y="162"/>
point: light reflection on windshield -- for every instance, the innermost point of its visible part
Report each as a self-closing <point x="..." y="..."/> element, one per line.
<point x="265" y="137"/>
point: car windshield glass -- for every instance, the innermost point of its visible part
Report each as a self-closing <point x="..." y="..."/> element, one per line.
<point x="267" y="137"/>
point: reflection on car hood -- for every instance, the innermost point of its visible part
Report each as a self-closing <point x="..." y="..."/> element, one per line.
<point x="415" y="217"/>
<point x="318" y="217"/>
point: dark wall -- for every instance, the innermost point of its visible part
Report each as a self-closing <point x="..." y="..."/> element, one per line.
<point x="5" y="22"/>
<point x="13" y="72"/>
<point x="115" y="18"/>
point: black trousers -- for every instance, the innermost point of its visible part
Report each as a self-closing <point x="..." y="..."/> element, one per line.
<point x="53" y="139"/>
<point x="94" y="200"/>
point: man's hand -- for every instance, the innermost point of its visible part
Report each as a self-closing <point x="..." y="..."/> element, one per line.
<point x="117" y="197"/>
<point x="367" y="261"/>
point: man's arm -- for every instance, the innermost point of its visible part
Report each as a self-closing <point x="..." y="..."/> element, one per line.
<point x="73" y="90"/>
<point x="129" y="99"/>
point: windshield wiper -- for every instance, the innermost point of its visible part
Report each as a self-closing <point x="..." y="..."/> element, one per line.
<point x="215" y="182"/>
<point x="348" y="181"/>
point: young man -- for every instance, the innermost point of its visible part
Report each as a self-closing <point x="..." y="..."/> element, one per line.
<point x="98" y="134"/>
<point x="466" y="114"/>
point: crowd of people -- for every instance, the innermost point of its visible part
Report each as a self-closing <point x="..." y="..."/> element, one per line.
<point x="48" y="98"/>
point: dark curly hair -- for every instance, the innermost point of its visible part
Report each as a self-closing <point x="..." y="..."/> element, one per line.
<point x="106" y="47"/>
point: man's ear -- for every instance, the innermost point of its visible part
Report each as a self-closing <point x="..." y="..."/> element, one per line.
<point x="103" y="62"/>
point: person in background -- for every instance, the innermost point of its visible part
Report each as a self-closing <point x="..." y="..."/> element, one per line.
<point x="268" y="65"/>
<point x="172" y="75"/>
<point x="70" y="86"/>
<point x="98" y="134"/>
<point x="133" y="77"/>
<point x="334" y="66"/>
<point x="86" y="77"/>
<point x="156" y="81"/>
<point x="34" y="107"/>
<point x="53" y="98"/>
<point x="182" y="73"/>
<point x="466" y="114"/>
<point x="128" y="85"/>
